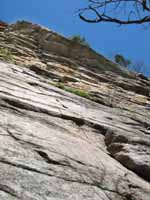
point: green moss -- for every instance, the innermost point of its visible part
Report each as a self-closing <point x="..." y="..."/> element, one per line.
<point x="5" y="54"/>
<point x="59" y="85"/>
<point x="78" y="92"/>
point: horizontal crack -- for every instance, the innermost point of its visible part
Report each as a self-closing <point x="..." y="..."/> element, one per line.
<point x="94" y="184"/>
<point x="45" y="156"/>
<point x="8" y="190"/>
<point x="24" y="167"/>
<point x="77" y="120"/>
<point x="22" y="141"/>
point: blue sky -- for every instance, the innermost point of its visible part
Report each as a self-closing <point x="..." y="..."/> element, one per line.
<point x="61" y="16"/>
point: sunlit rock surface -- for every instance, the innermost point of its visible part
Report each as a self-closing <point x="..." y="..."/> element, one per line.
<point x="87" y="139"/>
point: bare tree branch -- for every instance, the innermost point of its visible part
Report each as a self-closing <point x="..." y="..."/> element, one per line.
<point x="129" y="11"/>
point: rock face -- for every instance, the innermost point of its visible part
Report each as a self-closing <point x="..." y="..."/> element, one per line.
<point x="73" y="125"/>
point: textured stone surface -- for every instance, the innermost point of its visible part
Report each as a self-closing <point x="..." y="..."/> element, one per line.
<point x="57" y="145"/>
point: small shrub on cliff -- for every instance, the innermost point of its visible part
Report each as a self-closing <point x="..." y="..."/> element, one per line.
<point x="5" y="54"/>
<point x="21" y="24"/>
<point x="79" y="40"/>
<point x="137" y="66"/>
<point x="121" y="60"/>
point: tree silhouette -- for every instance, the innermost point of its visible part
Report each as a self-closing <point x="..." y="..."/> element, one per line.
<point x="121" y="60"/>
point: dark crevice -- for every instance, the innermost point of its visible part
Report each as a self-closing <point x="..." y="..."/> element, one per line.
<point x="49" y="160"/>
<point x="78" y="121"/>
<point x="146" y="132"/>
<point x="115" y="146"/>
<point x="8" y="190"/>
<point x="132" y="123"/>
<point x="142" y="171"/>
<point x="143" y="124"/>
<point x="11" y="108"/>
<point x="102" y="129"/>
<point x="74" y="160"/>
<point x="81" y="121"/>
<point x="43" y="73"/>
<point x="35" y="84"/>
<point x="12" y="135"/>
<point x="17" y="103"/>
<point x="64" y="163"/>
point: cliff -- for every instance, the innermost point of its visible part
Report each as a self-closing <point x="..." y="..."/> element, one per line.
<point x="73" y="125"/>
